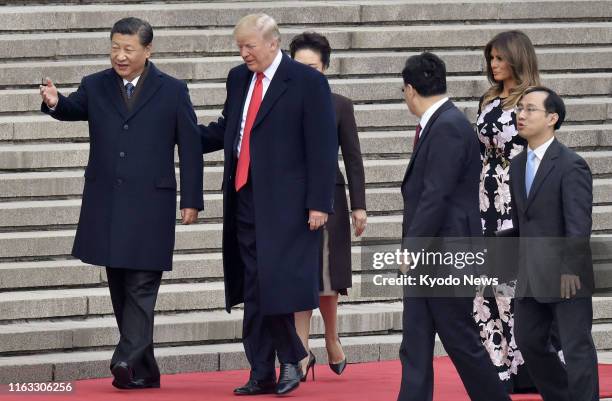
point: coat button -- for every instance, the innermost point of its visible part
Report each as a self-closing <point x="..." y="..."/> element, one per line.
<point x="126" y="127"/>
<point x="121" y="154"/>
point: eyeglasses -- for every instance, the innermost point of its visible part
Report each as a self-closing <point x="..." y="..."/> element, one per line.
<point x="519" y="109"/>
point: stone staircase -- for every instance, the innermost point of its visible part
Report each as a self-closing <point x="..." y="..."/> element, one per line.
<point x="56" y="319"/>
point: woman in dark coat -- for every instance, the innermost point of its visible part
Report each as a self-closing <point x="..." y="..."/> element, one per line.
<point x="314" y="50"/>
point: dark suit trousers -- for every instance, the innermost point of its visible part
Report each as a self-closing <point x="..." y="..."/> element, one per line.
<point x="452" y="319"/>
<point x="578" y="379"/>
<point x="264" y="337"/>
<point x="133" y="294"/>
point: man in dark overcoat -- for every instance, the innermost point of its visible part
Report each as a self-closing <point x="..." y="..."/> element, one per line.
<point x="136" y="115"/>
<point x="281" y="147"/>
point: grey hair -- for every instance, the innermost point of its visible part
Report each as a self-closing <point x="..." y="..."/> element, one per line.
<point x="261" y="23"/>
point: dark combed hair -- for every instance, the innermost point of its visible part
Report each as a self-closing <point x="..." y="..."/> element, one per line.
<point x="311" y="41"/>
<point x="134" y="26"/>
<point x="426" y="73"/>
<point x="552" y="104"/>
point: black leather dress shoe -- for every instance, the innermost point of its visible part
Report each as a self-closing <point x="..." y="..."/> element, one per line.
<point x="122" y="373"/>
<point x="137" y="384"/>
<point x="255" y="387"/>
<point x="289" y="380"/>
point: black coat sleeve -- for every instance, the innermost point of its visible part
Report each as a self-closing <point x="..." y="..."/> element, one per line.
<point x="577" y="197"/>
<point x="190" y="155"/>
<point x="70" y="108"/>
<point x="212" y="135"/>
<point x="351" y="154"/>
<point x="321" y="144"/>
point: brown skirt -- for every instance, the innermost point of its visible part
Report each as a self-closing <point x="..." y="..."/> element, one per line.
<point x="336" y="247"/>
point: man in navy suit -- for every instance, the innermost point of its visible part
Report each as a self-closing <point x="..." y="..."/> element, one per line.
<point x="552" y="202"/>
<point x="281" y="148"/>
<point x="136" y="115"/>
<point x="440" y="191"/>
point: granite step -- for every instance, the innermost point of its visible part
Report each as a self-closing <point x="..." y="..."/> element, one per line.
<point x="181" y="327"/>
<point x="193" y="267"/>
<point x="201" y="358"/>
<point x="40" y="127"/>
<point x="346" y="63"/>
<point x="189" y="14"/>
<point x="359" y="90"/>
<point x="196" y="237"/>
<point x="389" y="172"/>
<point x="179" y="359"/>
<point x="49" y="155"/>
<point x="220" y="41"/>
<point x="46" y="213"/>
<point x="90" y="302"/>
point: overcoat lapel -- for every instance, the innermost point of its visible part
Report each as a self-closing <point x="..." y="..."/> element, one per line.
<point x="153" y="81"/>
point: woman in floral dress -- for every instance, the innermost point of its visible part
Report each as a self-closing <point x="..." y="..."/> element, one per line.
<point x="511" y="68"/>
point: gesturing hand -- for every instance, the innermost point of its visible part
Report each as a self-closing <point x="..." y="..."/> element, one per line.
<point x="316" y="219"/>
<point x="48" y="92"/>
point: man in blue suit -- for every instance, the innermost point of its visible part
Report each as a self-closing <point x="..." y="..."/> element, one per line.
<point x="136" y="115"/>
<point x="281" y="149"/>
<point x="440" y="191"/>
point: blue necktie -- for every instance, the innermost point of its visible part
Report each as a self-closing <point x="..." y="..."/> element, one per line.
<point x="530" y="171"/>
<point x="129" y="87"/>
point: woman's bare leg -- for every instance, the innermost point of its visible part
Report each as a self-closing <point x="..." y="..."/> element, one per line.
<point x="302" y="326"/>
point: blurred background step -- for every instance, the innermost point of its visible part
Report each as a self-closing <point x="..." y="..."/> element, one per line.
<point x="191" y="267"/>
<point x="196" y="237"/>
<point x="58" y="303"/>
<point x="376" y="115"/>
<point x="220" y="40"/>
<point x="188" y="14"/>
<point x="198" y="358"/>
<point x="361" y="63"/>
<point x="48" y="155"/>
<point x="66" y="212"/>
<point x="180" y="327"/>
<point x="377" y="171"/>
<point x="357" y="89"/>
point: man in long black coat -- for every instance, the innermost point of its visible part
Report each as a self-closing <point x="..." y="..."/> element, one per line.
<point x="279" y="115"/>
<point x="136" y="116"/>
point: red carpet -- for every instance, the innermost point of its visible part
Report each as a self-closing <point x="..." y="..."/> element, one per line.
<point x="376" y="381"/>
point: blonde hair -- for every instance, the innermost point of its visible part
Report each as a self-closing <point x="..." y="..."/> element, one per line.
<point x="516" y="49"/>
<point x="260" y="22"/>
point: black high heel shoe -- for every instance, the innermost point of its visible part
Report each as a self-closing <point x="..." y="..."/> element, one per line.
<point x="339" y="367"/>
<point x="312" y="360"/>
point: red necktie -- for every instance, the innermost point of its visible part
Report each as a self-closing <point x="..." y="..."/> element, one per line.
<point x="242" y="170"/>
<point x="416" y="137"/>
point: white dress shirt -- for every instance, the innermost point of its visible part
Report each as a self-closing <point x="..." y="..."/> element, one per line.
<point x="539" y="152"/>
<point x="428" y="113"/>
<point x="134" y="81"/>
<point x="268" y="75"/>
